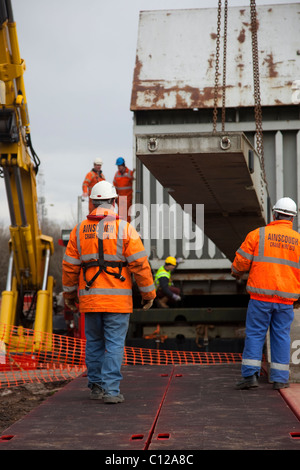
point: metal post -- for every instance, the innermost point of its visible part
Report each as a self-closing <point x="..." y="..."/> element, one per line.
<point x="20" y="196"/>
<point x="9" y="273"/>
<point x="47" y="261"/>
<point x="9" y="197"/>
<point x="79" y="209"/>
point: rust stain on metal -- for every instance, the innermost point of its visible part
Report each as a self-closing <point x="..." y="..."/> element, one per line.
<point x="242" y="36"/>
<point x="249" y="25"/>
<point x="211" y="61"/>
<point x="137" y="69"/>
<point x="271" y="66"/>
<point x="154" y="94"/>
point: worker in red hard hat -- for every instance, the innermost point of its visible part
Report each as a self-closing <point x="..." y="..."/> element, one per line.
<point x="271" y="256"/>
<point x="94" y="176"/>
<point x="123" y="180"/>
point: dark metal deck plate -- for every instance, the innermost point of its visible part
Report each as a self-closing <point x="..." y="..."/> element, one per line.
<point x="203" y="411"/>
<point x="197" y="408"/>
<point x="196" y="170"/>
<point x="70" y="420"/>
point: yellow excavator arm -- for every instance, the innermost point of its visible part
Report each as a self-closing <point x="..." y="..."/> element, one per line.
<point x="30" y="251"/>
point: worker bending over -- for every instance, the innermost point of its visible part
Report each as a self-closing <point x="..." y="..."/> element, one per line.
<point x="103" y="253"/>
<point x="165" y="291"/>
<point x="123" y="180"/>
<point x="271" y="255"/>
<point x="94" y="176"/>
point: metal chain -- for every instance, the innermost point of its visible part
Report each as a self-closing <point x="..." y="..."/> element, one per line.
<point x="215" y="111"/>
<point x="257" y="103"/>
<point x="224" y="66"/>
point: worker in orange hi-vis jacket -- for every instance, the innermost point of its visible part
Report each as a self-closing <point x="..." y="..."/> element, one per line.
<point x="271" y="256"/>
<point x="103" y="253"/>
<point x="91" y="178"/>
<point x="123" y="180"/>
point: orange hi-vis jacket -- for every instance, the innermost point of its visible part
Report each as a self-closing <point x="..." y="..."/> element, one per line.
<point x="123" y="255"/>
<point x="123" y="183"/>
<point x="271" y="254"/>
<point x="90" y="180"/>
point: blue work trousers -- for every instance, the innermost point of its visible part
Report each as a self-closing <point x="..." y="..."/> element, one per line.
<point x="261" y="316"/>
<point x="105" y="339"/>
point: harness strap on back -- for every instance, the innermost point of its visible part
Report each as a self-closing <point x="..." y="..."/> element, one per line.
<point x="103" y="265"/>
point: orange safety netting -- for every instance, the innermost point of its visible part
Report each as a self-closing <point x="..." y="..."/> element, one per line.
<point x="164" y="357"/>
<point x="30" y="356"/>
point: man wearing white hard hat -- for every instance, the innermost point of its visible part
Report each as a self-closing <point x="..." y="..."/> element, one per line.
<point x="271" y="256"/>
<point x="103" y="254"/>
<point x="94" y="176"/>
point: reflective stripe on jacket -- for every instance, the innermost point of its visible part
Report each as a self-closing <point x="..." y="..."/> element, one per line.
<point x="161" y="272"/>
<point x="271" y="254"/>
<point x="123" y="182"/>
<point x="121" y="243"/>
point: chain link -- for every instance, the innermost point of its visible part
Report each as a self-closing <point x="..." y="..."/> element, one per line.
<point x="216" y="91"/>
<point x="215" y="111"/>
<point x="257" y="103"/>
<point x="224" y="66"/>
<point x="255" y="59"/>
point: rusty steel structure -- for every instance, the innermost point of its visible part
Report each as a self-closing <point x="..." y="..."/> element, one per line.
<point x="175" y="68"/>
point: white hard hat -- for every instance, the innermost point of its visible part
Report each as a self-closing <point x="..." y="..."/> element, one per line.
<point x="98" y="161"/>
<point x="103" y="190"/>
<point x="285" y="206"/>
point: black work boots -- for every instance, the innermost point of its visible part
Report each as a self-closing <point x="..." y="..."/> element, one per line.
<point x="252" y="382"/>
<point x="247" y="382"/>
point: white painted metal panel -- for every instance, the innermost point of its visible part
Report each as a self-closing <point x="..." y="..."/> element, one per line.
<point x="175" y="61"/>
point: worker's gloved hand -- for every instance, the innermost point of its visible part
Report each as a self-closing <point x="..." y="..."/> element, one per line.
<point x="176" y="297"/>
<point x="84" y="194"/>
<point x="71" y="301"/>
<point x="237" y="275"/>
<point x="147" y="304"/>
<point x="296" y="304"/>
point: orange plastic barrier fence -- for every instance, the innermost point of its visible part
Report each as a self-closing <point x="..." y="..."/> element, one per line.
<point x="30" y="356"/>
<point x="165" y="357"/>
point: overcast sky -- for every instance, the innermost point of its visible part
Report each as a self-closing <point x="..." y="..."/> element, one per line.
<point x="80" y="59"/>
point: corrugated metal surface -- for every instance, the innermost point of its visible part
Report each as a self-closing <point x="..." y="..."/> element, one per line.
<point x="175" y="60"/>
<point x="282" y="163"/>
<point x="226" y="181"/>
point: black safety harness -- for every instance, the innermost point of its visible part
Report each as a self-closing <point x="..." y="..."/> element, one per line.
<point x="101" y="263"/>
